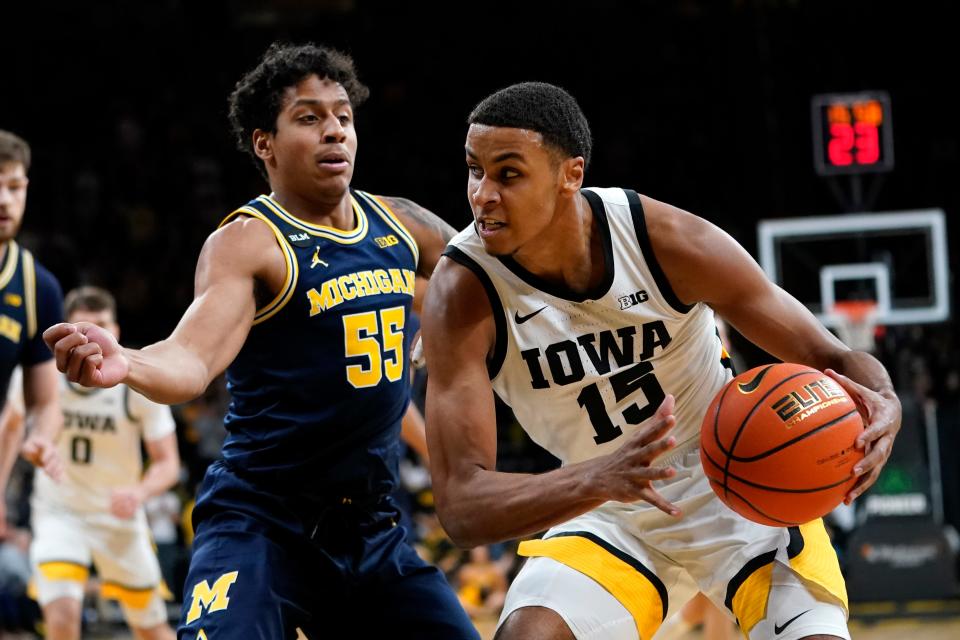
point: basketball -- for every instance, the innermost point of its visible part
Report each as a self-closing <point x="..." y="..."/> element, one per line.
<point x="777" y="444"/>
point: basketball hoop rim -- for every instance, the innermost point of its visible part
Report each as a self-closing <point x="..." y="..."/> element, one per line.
<point x="854" y="311"/>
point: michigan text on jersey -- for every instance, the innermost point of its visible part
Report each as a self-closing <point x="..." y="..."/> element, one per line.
<point x="358" y="285"/>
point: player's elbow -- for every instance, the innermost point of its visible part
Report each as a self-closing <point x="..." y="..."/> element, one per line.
<point x="459" y="518"/>
<point x="459" y="530"/>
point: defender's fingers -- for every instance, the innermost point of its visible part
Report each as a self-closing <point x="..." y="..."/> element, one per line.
<point x="63" y="348"/>
<point x="77" y="358"/>
<point x="57" y="332"/>
<point x="89" y="373"/>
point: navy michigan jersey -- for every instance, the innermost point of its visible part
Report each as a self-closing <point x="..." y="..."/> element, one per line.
<point x="30" y="301"/>
<point x="320" y="385"/>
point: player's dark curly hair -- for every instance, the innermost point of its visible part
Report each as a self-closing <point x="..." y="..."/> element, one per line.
<point x="257" y="99"/>
<point x="541" y="107"/>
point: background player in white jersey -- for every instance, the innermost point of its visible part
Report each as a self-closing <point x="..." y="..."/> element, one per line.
<point x="96" y="513"/>
<point x="590" y="312"/>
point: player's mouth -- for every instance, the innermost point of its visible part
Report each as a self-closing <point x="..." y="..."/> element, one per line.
<point x="334" y="161"/>
<point x="488" y="227"/>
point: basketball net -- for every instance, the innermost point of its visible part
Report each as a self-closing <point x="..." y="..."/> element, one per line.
<point x="856" y="322"/>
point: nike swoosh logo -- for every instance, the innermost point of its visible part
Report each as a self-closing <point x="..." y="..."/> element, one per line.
<point x="751" y="386"/>
<point x="521" y="319"/>
<point x="777" y="629"/>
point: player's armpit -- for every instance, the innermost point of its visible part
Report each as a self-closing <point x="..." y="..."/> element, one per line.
<point x="430" y="231"/>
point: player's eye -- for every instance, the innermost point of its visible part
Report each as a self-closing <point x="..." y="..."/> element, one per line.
<point x="475" y="171"/>
<point x="344" y="119"/>
<point x="507" y="174"/>
<point x="308" y="118"/>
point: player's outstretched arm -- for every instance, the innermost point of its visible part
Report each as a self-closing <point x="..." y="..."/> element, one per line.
<point x="704" y="264"/>
<point x="428" y="229"/>
<point x="208" y="336"/>
<point x="476" y="503"/>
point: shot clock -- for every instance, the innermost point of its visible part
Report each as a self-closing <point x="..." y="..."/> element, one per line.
<point x="852" y="133"/>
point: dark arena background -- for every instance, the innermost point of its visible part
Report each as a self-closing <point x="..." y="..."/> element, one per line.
<point x="739" y="111"/>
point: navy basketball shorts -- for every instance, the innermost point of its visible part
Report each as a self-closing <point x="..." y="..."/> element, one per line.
<point x="261" y="569"/>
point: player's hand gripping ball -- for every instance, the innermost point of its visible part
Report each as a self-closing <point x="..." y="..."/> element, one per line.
<point x="777" y="444"/>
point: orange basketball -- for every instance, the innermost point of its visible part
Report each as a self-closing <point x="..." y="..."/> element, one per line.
<point x="777" y="444"/>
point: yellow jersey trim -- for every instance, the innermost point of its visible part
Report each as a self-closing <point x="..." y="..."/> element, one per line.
<point x="750" y="603"/>
<point x="817" y="561"/>
<point x="330" y="233"/>
<point x="632" y="589"/>
<point x="30" y="292"/>
<point x="393" y="222"/>
<point x="133" y="598"/>
<point x="293" y="269"/>
<point x="64" y="571"/>
<point x="10" y="263"/>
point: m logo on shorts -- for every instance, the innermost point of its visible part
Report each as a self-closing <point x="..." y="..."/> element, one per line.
<point x="211" y="599"/>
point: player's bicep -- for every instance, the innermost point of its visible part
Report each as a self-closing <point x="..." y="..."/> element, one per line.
<point x="458" y="337"/>
<point x="704" y="264"/>
<point x="218" y="320"/>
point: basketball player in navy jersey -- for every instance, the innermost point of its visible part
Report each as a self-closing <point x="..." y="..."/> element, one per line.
<point x="305" y="294"/>
<point x="590" y="312"/>
<point x="30" y="299"/>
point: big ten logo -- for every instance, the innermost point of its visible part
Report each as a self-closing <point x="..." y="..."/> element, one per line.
<point x="807" y="400"/>
<point x="633" y="299"/>
<point x="386" y="241"/>
<point x="209" y="599"/>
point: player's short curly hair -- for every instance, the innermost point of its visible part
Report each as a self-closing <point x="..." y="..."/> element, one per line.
<point x="541" y="107"/>
<point x="13" y="148"/>
<point x="257" y="99"/>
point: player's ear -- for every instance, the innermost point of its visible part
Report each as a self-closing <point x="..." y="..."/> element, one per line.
<point x="571" y="175"/>
<point x="262" y="144"/>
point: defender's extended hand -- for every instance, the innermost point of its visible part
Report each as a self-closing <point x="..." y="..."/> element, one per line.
<point x="626" y="475"/>
<point x="881" y="419"/>
<point x="88" y="354"/>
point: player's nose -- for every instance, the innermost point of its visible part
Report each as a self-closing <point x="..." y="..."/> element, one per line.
<point x="334" y="131"/>
<point x="483" y="194"/>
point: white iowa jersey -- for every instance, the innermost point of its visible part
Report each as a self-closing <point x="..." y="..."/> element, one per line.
<point x="582" y="372"/>
<point x="100" y="447"/>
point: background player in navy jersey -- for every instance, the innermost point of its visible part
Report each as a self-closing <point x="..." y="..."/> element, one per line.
<point x="590" y="312"/>
<point x="304" y="294"/>
<point x="30" y="299"/>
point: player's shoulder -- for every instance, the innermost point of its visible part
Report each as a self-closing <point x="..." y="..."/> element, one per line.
<point x="672" y="226"/>
<point x="46" y="281"/>
<point x="243" y="229"/>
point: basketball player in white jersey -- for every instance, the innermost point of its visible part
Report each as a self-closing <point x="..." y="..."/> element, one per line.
<point x="590" y="312"/>
<point x="95" y="514"/>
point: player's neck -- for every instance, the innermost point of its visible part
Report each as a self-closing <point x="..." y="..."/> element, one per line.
<point x="570" y="251"/>
<point x="336" y="213"/>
